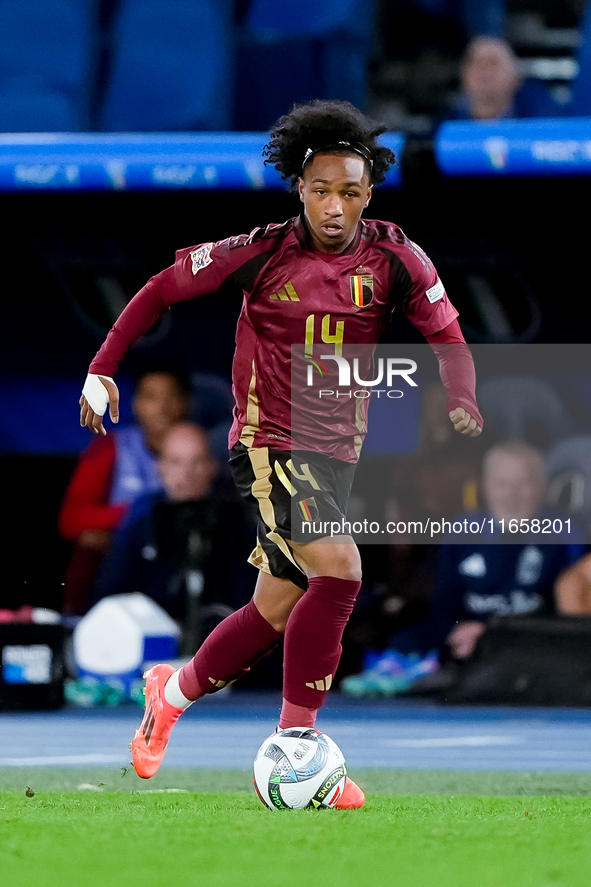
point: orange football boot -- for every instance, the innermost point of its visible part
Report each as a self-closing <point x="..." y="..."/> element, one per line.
<point x="150" y="740"/>
<point x="351" y="798"/>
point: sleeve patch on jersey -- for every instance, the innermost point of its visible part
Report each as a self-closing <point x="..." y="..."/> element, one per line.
<point x="201" y="258"/>
<point x="435" y="292"/>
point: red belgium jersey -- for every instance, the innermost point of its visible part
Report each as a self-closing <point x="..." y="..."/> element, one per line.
<point x="294" y="296"/>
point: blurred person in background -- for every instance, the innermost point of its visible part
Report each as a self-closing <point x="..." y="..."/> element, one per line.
<point x="478" y="580"/>
<point x="113" y="471"/>
<point x="489" y="80"/>
<point x="185" y="546"/>
<point x="491" y="87"/>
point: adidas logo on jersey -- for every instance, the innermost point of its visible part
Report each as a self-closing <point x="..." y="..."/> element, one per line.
<point x="286" y="294"/>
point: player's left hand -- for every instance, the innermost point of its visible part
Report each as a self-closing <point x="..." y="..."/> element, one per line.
<point x="464" y="422"/>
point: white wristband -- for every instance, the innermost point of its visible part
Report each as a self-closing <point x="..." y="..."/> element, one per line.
<point x="96" y="394"/>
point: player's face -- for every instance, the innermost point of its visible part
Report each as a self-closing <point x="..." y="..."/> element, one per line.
<point x="335" y="189"/>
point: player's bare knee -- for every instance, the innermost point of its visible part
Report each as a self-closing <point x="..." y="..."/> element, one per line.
<point x="343" y="564"/>
<point x="351" y="572"/>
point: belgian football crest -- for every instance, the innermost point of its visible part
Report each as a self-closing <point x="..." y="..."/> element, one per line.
<point x="308" y="509"/>
<point x="361" y="288"/>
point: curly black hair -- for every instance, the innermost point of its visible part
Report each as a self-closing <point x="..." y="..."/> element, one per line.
<point x="325" y="124"/>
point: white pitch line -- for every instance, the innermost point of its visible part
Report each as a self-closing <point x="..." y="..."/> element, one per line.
<point x="62" y="759"/>
<point x="451" y="741"/>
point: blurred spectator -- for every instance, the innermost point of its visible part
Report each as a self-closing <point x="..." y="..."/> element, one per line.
<point x="489" y="81"/>
<point x="491" y="88"/>
<point x="187" y="546"/>
<point x="477" y="580"/>
<point x="111" y="472"/>
<point x="420" y="42"/>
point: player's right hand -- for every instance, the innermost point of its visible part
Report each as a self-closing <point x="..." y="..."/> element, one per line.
<point x="464" y="422"/>
<point x="98" y="393"/>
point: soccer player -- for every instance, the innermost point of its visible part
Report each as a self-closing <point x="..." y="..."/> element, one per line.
<point x="324" y="278"/>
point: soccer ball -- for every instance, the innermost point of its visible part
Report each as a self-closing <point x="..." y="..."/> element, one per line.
<point x="299" y="767"/>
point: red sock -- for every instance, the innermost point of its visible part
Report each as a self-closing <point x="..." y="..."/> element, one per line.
<point x="296" y="716"/>
<point x="228" y="652"/>
<point x="313" y="640"/>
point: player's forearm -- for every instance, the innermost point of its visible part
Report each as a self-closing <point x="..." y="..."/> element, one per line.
<point x="456" y="368"/>
<point x="144" y="310"/>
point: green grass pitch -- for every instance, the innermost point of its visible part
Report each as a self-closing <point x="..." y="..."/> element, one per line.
<point x="85" y="828"/>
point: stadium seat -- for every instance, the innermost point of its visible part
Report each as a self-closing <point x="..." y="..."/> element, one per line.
<point x="518" y="407"/>
<point x="299" y="50"/>
<point x="45" y="61"/>
<point x="171" y="66"/>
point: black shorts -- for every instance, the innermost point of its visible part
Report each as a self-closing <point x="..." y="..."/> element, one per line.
<point x="296" y="494"/>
